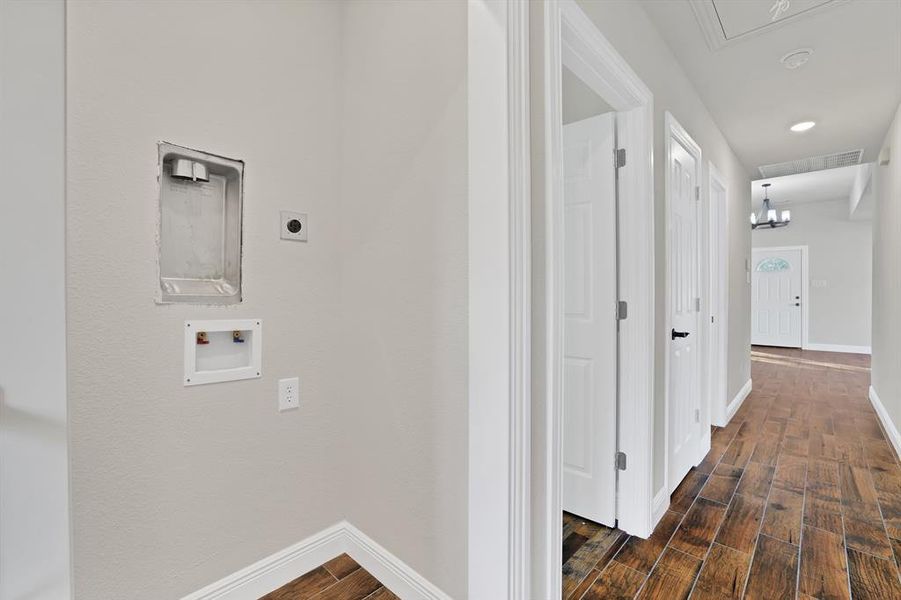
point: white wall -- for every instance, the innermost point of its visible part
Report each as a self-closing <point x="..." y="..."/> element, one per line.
<point x="174" y="487"/>
<point x="34" y="496"/>
<point x="840" y="254"/>
<point x="628" y="28"/>
<point x="886" y="360"/>
<point x="354" y="112"/>
<point x="404" y="289"/>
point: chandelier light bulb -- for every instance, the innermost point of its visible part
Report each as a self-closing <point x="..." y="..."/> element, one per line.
<point x="786" y="215"/>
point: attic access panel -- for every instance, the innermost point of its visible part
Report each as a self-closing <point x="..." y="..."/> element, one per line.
<point x="724" y="22"/>
<point x="741" y="18"/>
<point x="201" y="197"/>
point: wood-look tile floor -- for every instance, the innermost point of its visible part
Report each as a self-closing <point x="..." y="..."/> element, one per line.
<point x="799" y="497"/>
<point x="339" y="579"/>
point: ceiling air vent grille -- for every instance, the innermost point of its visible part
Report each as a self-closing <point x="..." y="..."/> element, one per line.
<point x="814" y="163"/>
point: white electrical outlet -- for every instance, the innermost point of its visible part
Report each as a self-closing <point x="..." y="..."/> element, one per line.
<point x="288" y="394"/>
<point x="293" y="226"/>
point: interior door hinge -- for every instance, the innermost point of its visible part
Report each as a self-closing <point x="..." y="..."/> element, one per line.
<point x="620" y="461"/>
<point x="697" y="305"/>
<point x="712" y="319"/>
<point x="622" y="310"/>
<point x="697" y="193"/>
<point x="619" y="158"/>
<point x="697" y="415"/>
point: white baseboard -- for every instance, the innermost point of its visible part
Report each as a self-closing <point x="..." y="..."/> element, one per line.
<point x="277" y="569"/>
<point x="738" y="400"/>
<point x="394" y="574"/>
<point x="890" y="429"/>
<point x="661" y="505"/>
<point x="285" y="565"/>
<point x="839" y="348"/>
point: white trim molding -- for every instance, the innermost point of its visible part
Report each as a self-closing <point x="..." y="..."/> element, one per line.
<point x="276" y="570"/>
<point x="500" y="292"/>
<point x="718" y="294"/>
<point x="520" y="207"/>
<point x="739" y="399"/>
<point x="661" y="505"/>
<point x="839" y="348"/>
<point x="890" y="429"/>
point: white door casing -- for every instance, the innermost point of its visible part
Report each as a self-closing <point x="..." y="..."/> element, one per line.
<point x="718" y="303"/>
<point x="589" y="372"/>
<point x="777" y="279"/>
<point x="684" y="344"/>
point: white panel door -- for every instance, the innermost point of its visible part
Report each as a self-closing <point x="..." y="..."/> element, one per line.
<point x="685" y="433"/>
<point x="589" y="369"/>
<point x="776" y="301"/>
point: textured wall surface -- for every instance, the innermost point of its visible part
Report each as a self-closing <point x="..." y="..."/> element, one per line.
<point x="886" y="376"/>
<point x="175" y="487"/>
<point x="355" y="113"/>
<point x="404" y="289"/>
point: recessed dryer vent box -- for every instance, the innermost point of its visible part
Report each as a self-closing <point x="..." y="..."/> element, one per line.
<point x="223" y="350"/>
<point x="200" y="226"/>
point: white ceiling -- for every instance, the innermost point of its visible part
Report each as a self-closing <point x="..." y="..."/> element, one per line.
<point x="851" y="86"/>
<point x="819" y="186"/>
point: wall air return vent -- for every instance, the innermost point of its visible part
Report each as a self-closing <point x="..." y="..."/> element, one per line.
<point x="814" y="163"/>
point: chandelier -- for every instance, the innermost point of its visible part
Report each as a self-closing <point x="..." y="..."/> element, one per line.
<point x="767" y="216"/>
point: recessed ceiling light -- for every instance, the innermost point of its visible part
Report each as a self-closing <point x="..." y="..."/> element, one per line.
<point x="796" y="58"/>
<point x="803" y="126"/>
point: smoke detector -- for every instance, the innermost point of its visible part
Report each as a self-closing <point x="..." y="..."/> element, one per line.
<point x="796" y="58"/>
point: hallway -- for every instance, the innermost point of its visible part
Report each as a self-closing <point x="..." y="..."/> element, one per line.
<point x="799" y="497"/>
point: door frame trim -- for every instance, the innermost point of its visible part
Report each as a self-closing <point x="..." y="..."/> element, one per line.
<point x="499" y="301"/>
<point x="674" y="130"/>
<point x="568" y="34"/>
<point x="805" y="285"/>
<point x="718" y="231"/>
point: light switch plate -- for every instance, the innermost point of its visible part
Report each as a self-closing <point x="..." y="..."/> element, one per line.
<point x="293" y="226"/>
<point x="288" y="394"/>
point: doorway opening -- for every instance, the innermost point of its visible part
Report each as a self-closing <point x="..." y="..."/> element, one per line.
<point x="589" y="295"/>
<point x="778" y="296"/>
<point x="595" y="427"/>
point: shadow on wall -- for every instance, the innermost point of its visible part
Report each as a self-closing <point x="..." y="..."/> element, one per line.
<point x="18" y="422"/>
<point x="24" y="431"/>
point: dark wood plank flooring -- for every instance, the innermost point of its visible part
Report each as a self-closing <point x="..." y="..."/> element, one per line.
<point x="339" y="579"/>
<point x="799" y="497"/>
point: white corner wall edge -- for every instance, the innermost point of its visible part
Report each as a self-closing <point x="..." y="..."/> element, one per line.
<point x="890" y="429"/>
<point x="272" y="572"/>
<point x="737" y="401"/>
<point x="839" y="348"/>
<point x="661" y="505"/>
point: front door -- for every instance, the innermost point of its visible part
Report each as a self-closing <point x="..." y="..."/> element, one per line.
<point x="776" y="301"/>
<point x="589" y="367"/>
<point x="683" y="338"/>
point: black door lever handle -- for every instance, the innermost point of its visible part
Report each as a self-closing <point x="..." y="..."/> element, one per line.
<point x="679" y="334"/>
